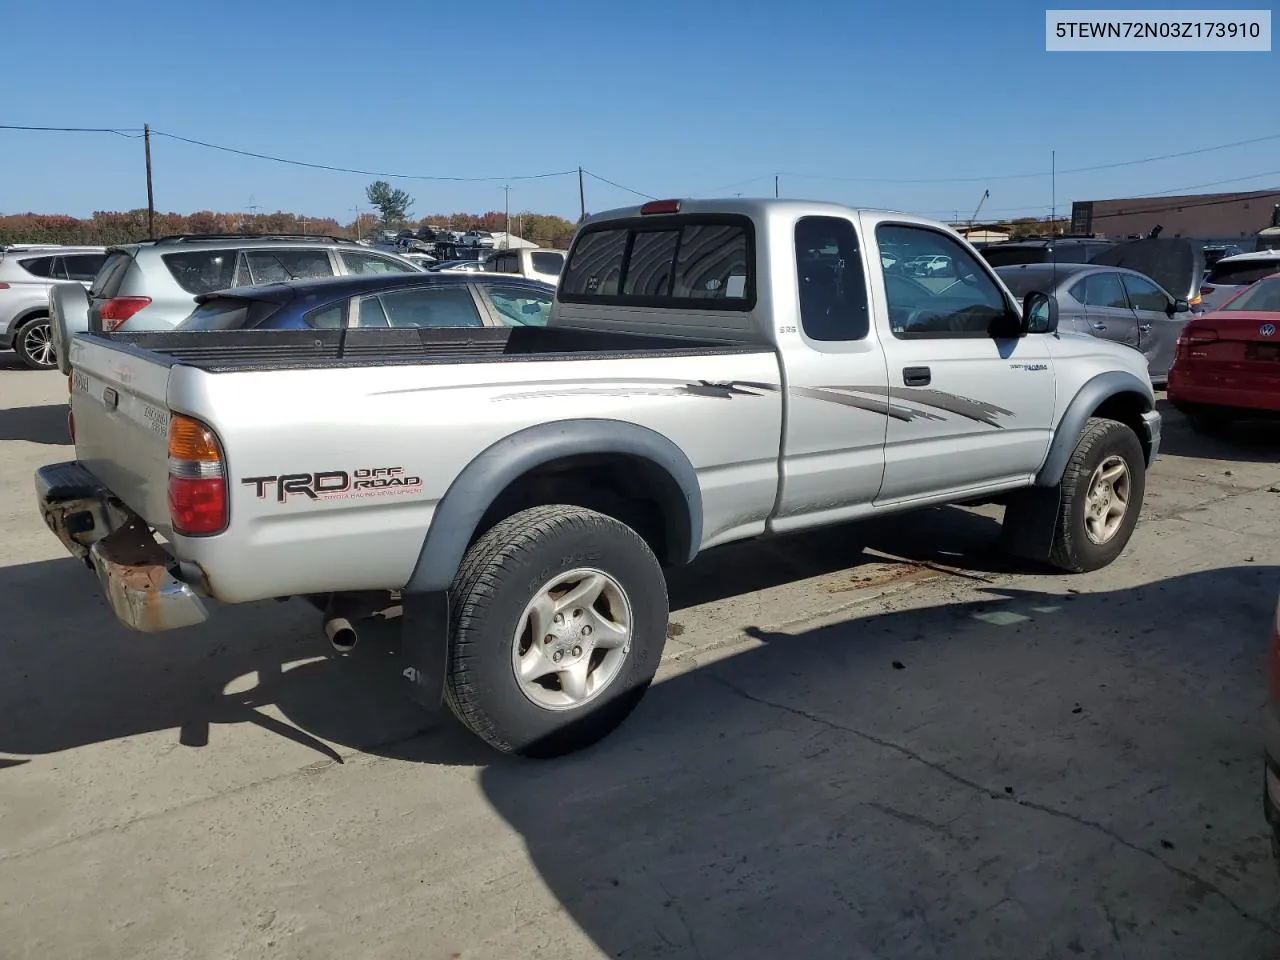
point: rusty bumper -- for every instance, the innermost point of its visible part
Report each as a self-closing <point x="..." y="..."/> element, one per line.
<point x="137" y="574"/>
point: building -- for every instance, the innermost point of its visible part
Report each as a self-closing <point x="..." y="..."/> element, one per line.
<point x="984" y="233"/>
<point x="1204" y="215"/>
<point x="509" y="241"/>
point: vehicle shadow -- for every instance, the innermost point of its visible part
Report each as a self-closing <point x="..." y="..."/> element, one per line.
<point x="41" y="424"/>
<point x="1245" y="441"/>
<point x="1025" y="774"/>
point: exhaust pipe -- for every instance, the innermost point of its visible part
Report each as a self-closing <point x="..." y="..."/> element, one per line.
<point x="341" y="633"/>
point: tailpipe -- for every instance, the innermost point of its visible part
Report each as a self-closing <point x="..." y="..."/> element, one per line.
<point x="341" y="633"/>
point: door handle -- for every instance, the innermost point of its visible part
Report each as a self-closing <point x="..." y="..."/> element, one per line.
<point x="1098" y="326"/>
<point x="916" y="376"/>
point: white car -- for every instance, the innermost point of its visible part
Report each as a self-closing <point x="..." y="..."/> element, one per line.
<point x="477" y="238"/>
<point x="27" y="274"/>
<point x="535" y="263"/>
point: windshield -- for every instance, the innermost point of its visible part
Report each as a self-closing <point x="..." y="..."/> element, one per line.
<point x="1022" y="282"/>
<point x="1263" y="296"/>
<point x="1243" y="272"/>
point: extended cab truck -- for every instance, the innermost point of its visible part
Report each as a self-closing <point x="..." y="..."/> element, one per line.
<point x="711" y="371"/>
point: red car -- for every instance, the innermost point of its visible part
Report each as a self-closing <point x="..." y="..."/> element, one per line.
<point x="1227" y="364"/>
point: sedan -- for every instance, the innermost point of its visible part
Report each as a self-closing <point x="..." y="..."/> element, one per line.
<point x="391" y="300"/>
<point x="1108" y="302"/>
<point x="1228" y="363"/>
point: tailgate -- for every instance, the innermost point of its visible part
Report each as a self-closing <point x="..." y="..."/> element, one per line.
<point x="122" y="424"/>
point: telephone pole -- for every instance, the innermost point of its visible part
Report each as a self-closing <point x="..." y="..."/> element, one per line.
<point x="151" y="198"/>
<point x="582" y="198"/>
<point x="775" y="186"/>
<point x="506" y="241"/>
<point x="356" y="208"/>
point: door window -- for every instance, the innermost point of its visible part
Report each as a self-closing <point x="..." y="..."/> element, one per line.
<point x="950" y="296"/>
<point x="38" y="266"/>
<point x="369" y="264"/>
<point x="1100" y="290"/>
<point x="1145" y="295"/>
<point x="371" y="313"/>
<point x="519" y="306"/>
<point x="329" y="318"/>
<point x="833" y="287"/>
<point x="451" y="306"/>
<point x="278" y="266"/>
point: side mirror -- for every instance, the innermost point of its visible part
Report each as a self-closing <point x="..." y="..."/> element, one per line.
<point x="1039" y="313"/>
<point x="1181" y="306"/>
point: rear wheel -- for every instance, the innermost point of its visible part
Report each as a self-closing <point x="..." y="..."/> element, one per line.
<point x="34" y="344"/>
<point x="559" y="617"/>
<point x="1102" y="491"/>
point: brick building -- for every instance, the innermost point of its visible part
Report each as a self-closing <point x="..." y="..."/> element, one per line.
<point x="1201" y="215"/>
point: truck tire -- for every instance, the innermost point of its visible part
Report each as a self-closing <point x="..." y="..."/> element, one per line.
<point x="34" y="344"/>
<point x="1102" y="490"/>
<point x="558" y="619"/>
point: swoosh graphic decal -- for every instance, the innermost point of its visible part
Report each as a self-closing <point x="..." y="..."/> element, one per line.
<point x="976" y="410"/>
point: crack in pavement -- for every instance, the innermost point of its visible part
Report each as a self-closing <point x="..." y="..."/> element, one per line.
<point x="1199" y="883"/>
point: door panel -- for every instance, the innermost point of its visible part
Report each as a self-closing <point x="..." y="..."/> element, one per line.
<point x="1106" y="308"/>
<point x="1158" y="326"/>
<point x="833" y="447"/>
<point x="966" y="410"/>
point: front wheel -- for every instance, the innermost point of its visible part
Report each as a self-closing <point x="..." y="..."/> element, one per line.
<point x="34" y="344"/>
<point x="1102" y="491"/>
<point x="559" y="617"/>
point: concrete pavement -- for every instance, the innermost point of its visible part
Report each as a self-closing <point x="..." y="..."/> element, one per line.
<point x="885" y="741"/>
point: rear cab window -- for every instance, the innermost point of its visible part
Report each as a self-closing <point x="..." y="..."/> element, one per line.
<point x="685" y="261"/>
<point x="551" y="263"/>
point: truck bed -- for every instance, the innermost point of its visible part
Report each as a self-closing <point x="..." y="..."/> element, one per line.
<point x="260" y="350"/>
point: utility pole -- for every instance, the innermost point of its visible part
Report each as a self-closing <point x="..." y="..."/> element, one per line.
<point x="506" y="240"/>
<point x="1053" y="191"/>
<point x="356" y="208"/>
<point x="582" y="198"/>
<point x="151" y="198"/>
<point x="775" y="186"/>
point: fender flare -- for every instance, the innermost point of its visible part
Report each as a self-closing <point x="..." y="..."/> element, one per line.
<point x="1087" y="399"/>
<point x="476" y="487"/>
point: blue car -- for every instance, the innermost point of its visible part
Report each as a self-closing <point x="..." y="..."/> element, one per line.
<point x="377" y="300"/>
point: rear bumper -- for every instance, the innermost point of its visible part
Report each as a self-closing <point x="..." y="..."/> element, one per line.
<point x="1260" y="393"/>
<point x="137" y="574"/>
<point x="1151" y="422"/>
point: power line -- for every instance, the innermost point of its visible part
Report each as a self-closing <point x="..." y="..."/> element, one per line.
<point x="597" y="176"/>
<point x="364" y="173"/>
<point x="130" y="132"/>
<point x="1044" y="173"/>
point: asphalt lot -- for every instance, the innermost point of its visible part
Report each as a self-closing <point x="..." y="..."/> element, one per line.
<point x="885" y="741"/>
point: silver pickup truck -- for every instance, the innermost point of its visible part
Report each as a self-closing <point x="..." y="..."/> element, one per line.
<point x="712" y="371"/>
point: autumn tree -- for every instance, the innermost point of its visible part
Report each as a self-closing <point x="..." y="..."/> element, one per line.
<point x="393" y="203"/>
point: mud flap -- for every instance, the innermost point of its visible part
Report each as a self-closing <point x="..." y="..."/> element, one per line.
<point x="1030" y="519"/>
<point x="424" y="646"/>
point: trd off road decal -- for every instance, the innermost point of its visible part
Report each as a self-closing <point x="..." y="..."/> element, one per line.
<point x="335" y="484"/>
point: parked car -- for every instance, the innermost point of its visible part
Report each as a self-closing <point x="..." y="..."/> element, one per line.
<point x="390" y="300"/>
<point x="1228" y="362"/>
<point x="419" y="259"/>
<point x="153" y="285"/>
<point x="1213" y="252"/>
<point x="1230" y="275"/>
<point x="535" y="263"/>
<point x="27" y="273"/>
<point x="477" y="238"/>
<point x="1176" y="264"/>
<point x="713" y="371"/>
<point x="456" y="266"/>
<point x="1111" y="303"/>
<point x="1044" y="250"/>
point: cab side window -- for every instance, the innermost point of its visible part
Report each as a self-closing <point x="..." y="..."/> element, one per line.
<point x="935" y="287"/>
<point x="833" y="287"/>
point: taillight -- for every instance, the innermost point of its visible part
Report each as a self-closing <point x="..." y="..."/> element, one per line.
<point x="1205" y="291"/>
<point x="1193" y="337"/>
<point x="119" y="309"/>
<point x="197" y="478"/>
<point x="660" y="206"/>
<point x="4" y="286"/>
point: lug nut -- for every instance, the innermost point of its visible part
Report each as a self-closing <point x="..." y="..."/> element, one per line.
<point x="577" y="651"/>
<point x="586" y="631"/>
<point x="557" y="657"/>
<point x="577" y="613"/>
<point x="558" y="618"/>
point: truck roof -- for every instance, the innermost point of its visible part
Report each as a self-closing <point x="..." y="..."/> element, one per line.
<point x="756" y="208"/>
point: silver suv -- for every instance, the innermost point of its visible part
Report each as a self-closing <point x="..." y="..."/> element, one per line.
<point x="27" y="273"/>
<point x="153" y="285"/>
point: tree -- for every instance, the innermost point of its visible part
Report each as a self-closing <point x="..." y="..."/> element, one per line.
<point x="394" y="204"/>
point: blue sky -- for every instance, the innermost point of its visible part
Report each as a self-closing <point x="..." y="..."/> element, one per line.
<point x="668" y="98"/>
